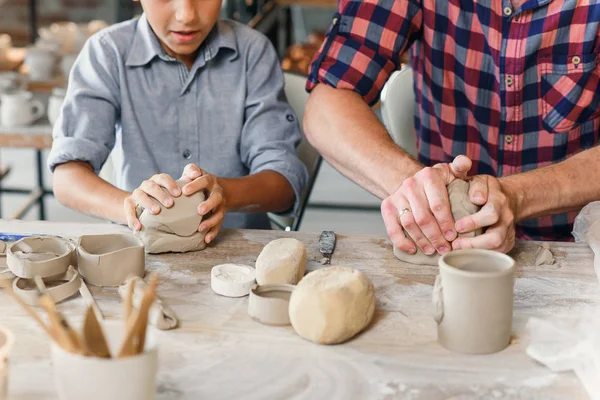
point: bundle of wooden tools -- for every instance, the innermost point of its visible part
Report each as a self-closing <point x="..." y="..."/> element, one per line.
<point x="92" y="342"/>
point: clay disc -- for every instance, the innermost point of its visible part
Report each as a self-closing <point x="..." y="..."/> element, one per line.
<point x="232" y="280"/>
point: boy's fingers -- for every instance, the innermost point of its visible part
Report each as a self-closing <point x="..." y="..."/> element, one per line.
<point x="198" y="184"/>
<point x="140" y="197"/>
<point x="151" y="188"/>
<point x="192" y="171"/>
<point x="131" y="215"/>
<point x="168" y="183"/>
<point x="211" y="203"/>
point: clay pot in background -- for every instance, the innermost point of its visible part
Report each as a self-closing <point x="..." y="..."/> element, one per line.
<point x="55" y="104"/>
<point x="41" y="63"/>
<point x="9" y="81"/>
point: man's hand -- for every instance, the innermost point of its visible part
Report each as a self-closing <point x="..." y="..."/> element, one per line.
<point x="498" y="214"/>
<point x="424" y="208"/>
<point x="141" y="196"/>
<point x="215" y="199"/>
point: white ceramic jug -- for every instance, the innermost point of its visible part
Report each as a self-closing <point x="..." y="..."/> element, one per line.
<point x="19" y="108"/>
<point x="41" y="63"/>
<point x="55" y="104"/>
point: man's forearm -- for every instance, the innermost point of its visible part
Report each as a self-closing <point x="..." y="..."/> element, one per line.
<point x="78" y="187"/>
<point x="266" y="191"/>
<point x="562" y="187"/>
<point x="342" y="127"/>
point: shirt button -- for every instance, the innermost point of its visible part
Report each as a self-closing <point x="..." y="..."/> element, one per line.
<point x="507" y="11"/>
<point x="576" y="60"/>
<point x="508" y="139"/>
<point x="509" y="81"/>
<point x="187" y="154"/>
<point x="290" y="117"/>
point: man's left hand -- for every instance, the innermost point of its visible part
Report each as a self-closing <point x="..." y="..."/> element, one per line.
<point x="498" y="215"/>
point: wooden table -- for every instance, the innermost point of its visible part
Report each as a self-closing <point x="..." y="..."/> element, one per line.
<point x="220" y="353"/>
<point x="39" y="138"/>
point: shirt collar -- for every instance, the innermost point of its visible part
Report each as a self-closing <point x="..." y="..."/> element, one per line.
<point x="145" y="45"/>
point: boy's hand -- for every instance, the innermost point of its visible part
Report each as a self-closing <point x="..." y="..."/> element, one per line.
<point x="215" y="199"/>
<point x="141" y="196"/>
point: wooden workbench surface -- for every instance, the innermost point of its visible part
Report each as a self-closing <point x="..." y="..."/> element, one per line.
<point x="220" y="353"/>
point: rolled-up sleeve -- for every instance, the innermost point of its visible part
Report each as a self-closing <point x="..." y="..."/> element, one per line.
<point x="271" y="131"/>
<point x="85" y="129"/>
<point x="364" y="44"/>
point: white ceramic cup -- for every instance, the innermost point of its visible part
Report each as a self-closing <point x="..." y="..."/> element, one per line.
<point x="55" y="104"/>
<point x="473" y="301"/>
<point x="91" y="378"/>
<point x="7" y="340"/>
<point x="19" y="108"/>
<point x="41" y="63"/>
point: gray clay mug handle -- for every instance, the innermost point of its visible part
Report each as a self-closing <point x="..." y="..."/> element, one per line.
<point x="438" y="301"/>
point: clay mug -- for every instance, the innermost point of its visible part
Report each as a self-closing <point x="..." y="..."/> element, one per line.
<point x="19" y="108"/>
<point x="7" y="340"/>
<point x="41" y="63"/>
<point x="473" y="301"/>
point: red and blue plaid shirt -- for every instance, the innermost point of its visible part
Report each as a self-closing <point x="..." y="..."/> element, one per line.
<point x="513" y="89"/>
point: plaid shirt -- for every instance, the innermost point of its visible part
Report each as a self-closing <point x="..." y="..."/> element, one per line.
<point x="513" y="89"/>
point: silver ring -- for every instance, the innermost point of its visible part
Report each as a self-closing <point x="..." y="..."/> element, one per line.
<point x="403" y="211"/>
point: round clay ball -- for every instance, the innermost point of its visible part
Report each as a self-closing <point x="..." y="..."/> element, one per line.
<point x="331" y="305"/>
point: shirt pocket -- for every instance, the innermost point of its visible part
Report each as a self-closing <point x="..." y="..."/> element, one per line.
<point x="569" y="86"/>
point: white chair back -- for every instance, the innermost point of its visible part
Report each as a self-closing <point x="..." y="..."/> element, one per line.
<point x="397" y="108"/>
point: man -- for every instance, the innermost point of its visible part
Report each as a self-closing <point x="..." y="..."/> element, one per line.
<point x="507" y="92"/>
<point x="173" y="91"/>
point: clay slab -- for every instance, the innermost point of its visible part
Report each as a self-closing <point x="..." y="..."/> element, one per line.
<point x="232" y="280"/>
<point x="59" y="287"/>
<point x="107" y="260"/>
<point x="39" y="256"/>
<point x="269" y="304"/>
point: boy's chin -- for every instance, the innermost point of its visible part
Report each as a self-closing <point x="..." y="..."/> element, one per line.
<point x="185" y="49"/>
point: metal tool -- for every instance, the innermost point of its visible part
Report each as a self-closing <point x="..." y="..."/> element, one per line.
<point x="327" y="245"/>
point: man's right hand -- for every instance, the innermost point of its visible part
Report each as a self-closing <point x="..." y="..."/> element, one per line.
<point x="421" y="206"/>
<point x="141" y="196"/>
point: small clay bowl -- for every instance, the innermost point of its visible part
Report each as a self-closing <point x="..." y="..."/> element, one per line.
<point x="107" y="260"/>
<point x="269" y="304"/>
<point x="42" y="256"/>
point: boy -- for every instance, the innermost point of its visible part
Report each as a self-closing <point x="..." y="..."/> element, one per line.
<point x="177" y="88"/>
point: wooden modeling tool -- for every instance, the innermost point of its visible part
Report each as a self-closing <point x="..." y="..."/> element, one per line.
<point x="64" y="334"/>
<point x="135" y="336"/>
<point x="128" y="302"/>
<point x="93" y="337"/>
<point x="89" y="300"/>
<point x="149" y="296"/>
